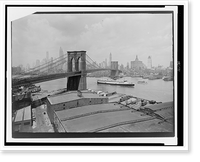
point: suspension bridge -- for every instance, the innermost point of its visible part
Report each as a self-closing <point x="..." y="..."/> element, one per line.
<point x="78" y="63"/>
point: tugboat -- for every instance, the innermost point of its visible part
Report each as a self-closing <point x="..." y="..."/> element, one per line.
<point x="113" y="82"/>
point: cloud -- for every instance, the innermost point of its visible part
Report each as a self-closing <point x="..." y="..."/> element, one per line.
<point x="124" y="35"/>
<point x="37" y="38"/>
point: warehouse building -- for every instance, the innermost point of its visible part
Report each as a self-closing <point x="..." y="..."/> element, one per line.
<point x="89" y="112"/>
<point x="70" y="100"/>
<point x="22" y="118"/>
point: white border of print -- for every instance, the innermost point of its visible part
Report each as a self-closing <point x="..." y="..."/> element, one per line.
<point x="168" y="141"/>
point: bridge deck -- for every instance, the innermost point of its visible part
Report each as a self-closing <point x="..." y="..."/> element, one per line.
<point x="42" y="78"/>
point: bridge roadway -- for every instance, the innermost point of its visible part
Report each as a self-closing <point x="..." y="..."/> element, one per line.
<point x="43" y="78"/>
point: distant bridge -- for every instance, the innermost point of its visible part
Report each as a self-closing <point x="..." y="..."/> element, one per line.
<point x="78" y="65"/>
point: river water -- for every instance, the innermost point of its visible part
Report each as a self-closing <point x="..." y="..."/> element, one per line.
<point x="159" y="90"/>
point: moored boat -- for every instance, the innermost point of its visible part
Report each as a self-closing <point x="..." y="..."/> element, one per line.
<point x="34" y="88"/>
<point x="167" y="78"/>
<point x="142" y="82"/>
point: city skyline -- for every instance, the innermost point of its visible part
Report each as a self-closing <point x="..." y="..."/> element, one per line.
<point x="125" y="36"/>
<point x="104" y="64"/>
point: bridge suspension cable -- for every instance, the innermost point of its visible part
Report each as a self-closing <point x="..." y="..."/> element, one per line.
<point x="90" y="65"/>
<point x="92" y="62"/>
<point x="50" y="64"/>
<point x="54" y="61"/>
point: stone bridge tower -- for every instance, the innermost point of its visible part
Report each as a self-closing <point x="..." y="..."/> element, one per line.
<point x="77" y="65"/>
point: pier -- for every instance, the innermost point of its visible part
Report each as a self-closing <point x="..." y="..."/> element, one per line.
<point x="67" y="112"/>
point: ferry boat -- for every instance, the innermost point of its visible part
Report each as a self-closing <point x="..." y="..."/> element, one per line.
<point x="114" y="82"/>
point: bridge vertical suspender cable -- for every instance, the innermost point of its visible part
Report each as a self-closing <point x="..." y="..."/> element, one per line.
<point x="52" y="64"/>
<point x="92" y="62"/>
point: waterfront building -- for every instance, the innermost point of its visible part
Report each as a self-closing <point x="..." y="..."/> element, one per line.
<point x="22" y="118"/>
<point x="149" y="63"/>
<point x="137" y="64"/>
<point x="62" y="108"/>
<point x="87" y="111"/>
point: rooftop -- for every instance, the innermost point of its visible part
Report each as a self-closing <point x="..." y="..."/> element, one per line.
<point x="160" y="106"/>
<point x="70" y="97"/>
<point x="167" y="113"/>
<point x="23" y="114"/>
<point x="94" y="118"/>
<point x="86" y="109"/>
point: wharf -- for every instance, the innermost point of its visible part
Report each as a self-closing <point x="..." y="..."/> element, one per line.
<point x="86" y="114"/>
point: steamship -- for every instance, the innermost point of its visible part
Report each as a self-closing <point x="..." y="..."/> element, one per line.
<point x="113" y="82"/>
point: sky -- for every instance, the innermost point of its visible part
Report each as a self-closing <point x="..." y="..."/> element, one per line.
<point x="122" y="35"/>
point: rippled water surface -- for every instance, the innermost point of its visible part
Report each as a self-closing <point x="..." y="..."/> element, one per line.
<point x="158" y="90"/>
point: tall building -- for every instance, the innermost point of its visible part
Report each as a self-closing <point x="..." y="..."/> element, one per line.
<point x="137" y="64"/>
<point x="110" y="60"/>
<point x="33" y="65"/>
<point x="149" y="63"/>
<point x="27" y="67"/>
<point x="121" y="67"/>
<point x="51" y="65"/>
<point x="171" y="64"/>
<point x="21" y="67"/>
<point x="127" y="65"/>
<point x="61" y="53"/>
<point x="43" y="61"/>
<point x="37" y="63"/>
<point x="61" y="56"/>
<point x="106" y="63"/>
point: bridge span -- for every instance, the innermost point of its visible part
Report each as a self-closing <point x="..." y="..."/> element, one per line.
<point x="43" y="78"/>
<point x="79" y="64"/>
